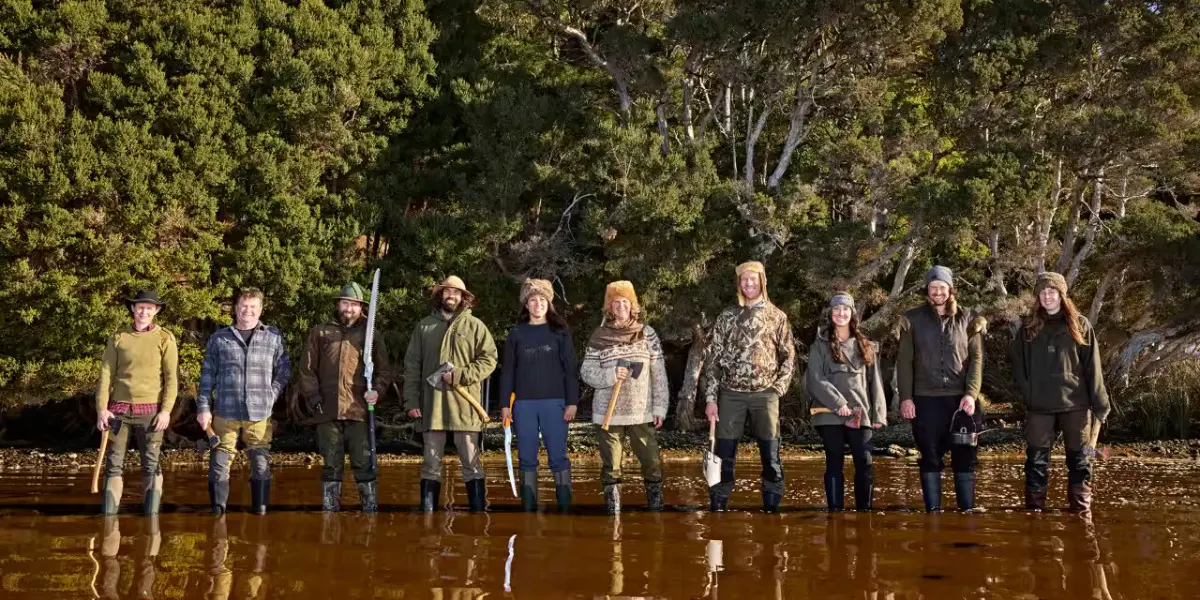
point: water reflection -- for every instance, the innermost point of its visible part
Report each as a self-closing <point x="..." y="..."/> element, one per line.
<point x="106" y="577"/>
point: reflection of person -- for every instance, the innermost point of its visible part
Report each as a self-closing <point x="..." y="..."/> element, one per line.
<point x="449" y="334"/>
<point x="939" y="369"/>
<point x="246" y="368"/>
<point x="146" y="547"/>
<point x="539" y="367"/>
<point x="223" y="581"/>
<point x="1056" y="364"/>
<point x="843" y="376"/>
<point x="139" y="380"/>
<point x="641" y="405"/>
<point x="334" y="384"/>
<point x="748" y="368"/>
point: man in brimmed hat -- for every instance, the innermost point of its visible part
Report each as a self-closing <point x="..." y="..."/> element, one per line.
<point x="139" y="380"/>
<point x="333" y="384"/>
<point x="246" y="367"/>
<point x="449" y="334"/>
<point x="748" y="368"/>
<point x="939" y="369"/>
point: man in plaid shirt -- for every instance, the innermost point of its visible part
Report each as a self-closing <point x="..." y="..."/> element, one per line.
<point x="246" y="368"/>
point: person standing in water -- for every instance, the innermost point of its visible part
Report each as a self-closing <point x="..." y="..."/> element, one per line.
<point x="939" y="369"/>
<point x="1056" y="365"/>
<point x="843" y="377"/>
<point x="540" y="368"/>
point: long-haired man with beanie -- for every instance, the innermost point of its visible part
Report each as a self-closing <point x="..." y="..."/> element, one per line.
<point x="748" y="368"/>
<point x="939" y="369"/>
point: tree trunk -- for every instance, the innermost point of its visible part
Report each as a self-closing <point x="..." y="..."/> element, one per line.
<point x="685" y="409"/>
<point x="689" y="131"/>
<point x="1045" y="219"/>
<point x="1067" y="252"/>
<point x="660" y="113"/>
<point x="1093" y="228"/>
<point x="906" y="262"/>
<point x="997" y="270"/>
<point x="753" y="131"/>
<point x="799" y="125"/>
<point x="1112" y="276"/>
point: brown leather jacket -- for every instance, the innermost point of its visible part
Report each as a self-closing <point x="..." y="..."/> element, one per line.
<point x="331" y="372"/>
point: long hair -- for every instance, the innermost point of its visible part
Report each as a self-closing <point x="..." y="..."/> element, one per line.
<point x="865" y="347"/>
<point x="951" y="304"/>
<point x="1038" y="316"/>
<point x="556" y="321"/>
<point x="468" y="301"/>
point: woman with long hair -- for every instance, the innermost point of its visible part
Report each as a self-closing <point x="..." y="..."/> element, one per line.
<point x="843" y="378"/>
<point x="1056" y="364"/>
<point x="539" y="368"/>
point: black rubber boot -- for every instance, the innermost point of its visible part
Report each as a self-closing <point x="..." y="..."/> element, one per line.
<point x="864" y="490"/>
<point x="368" y="496"/>
<point x="529" y="490"/>
<point x="218" y="496"/>
<point x="152" y="490"/>
<point x="1037" y="477"/>
<point x="612" y="498"/>
<point x="964" y="490"/>
<point x="562" y="489"/>
<point x="431" y="492"/>
<point x="331" y="496"/>
<point x="717" y="502"/>
<point x="477" y="495"/>
<point x="931" y="489"/>
<point x="260" y="495"/>
<point x="654" y="496"/>
<point x="1079" y="482"/>
<point x="771" y="501"/>
<point x="835" y="492"/>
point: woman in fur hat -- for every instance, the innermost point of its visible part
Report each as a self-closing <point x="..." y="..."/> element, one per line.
<point x="539" y="367"/>
<point x="843" y="377"/>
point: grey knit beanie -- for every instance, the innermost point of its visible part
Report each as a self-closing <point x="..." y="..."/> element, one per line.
<point x="841" y="299"/>
<point x="939" y="273"/>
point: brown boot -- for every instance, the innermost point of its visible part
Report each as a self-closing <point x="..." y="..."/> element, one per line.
<point x="1080" y="497"/>
<point x="1035" y="498"/>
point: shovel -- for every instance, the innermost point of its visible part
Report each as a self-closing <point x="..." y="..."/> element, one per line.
<point x="712" y="462"/>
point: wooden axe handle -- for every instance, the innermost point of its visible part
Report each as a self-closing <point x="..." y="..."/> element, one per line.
<point x="473" y="402"/>
<point x="612" y="403"/>
<point x="819" y="410"/>
<point x="99" y="462"/>
<point x="512" y="399"/>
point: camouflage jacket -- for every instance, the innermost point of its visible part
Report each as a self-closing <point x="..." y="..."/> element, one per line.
<point x="751" y="351"/>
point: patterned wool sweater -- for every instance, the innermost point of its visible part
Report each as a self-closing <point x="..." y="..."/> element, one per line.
<point x="642" y="398"/>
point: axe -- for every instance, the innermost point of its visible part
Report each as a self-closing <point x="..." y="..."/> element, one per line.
<point x="435" y="380"/>
<point x="635" y="370"/>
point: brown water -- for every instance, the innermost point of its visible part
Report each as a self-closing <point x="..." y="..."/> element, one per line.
<point x="1141" y="543"/>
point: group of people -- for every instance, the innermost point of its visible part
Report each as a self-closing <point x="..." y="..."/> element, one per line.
<point x="748" y="367"/>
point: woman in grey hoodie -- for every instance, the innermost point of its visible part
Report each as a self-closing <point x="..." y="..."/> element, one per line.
<point x="848" y="403"/>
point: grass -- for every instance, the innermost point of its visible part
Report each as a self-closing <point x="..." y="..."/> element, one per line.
<point x="1163" y="404"/>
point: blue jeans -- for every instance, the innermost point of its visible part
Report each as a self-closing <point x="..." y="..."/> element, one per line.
<point x="529" y="416"/>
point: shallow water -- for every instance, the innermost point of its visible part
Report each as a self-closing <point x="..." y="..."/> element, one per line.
<point x="1141" y="543"/>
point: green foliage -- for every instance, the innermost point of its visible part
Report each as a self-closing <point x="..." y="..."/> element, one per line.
<point x="1164" y="404"/>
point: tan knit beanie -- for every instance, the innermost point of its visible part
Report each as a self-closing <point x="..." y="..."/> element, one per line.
<point x="1050" y="279"/>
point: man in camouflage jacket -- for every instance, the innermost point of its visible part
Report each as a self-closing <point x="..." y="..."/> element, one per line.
<point x="748" y="367"/>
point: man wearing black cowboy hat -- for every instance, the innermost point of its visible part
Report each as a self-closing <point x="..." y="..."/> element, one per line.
<point x="139" y="380"/>
<point x="333" y="383"/>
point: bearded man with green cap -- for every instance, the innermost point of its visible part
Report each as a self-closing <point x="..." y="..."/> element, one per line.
<point x="450" y="334"/>
<point x="748" y="368"/>
<point x="334" y="385"/>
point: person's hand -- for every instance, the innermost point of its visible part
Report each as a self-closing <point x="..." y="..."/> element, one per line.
<point x="658" y="421"/>
<point x="844" y="411"/>
<point x="448" y="377"/>
<point x="622" y="373"/>
<point x="710" y="411"/>
<point x="371" y="397"/>
<point x="204" y="419"/>
<point x="102" y="420"/>
<point x="504" y="412"/>
<point x="908" y="409"/>
<point x="967" y="405"/>
<point x="877" y="425"/>
<point x="569" y="413"/>
<point x="161" y="420"/>
<point x="414" y="413"/>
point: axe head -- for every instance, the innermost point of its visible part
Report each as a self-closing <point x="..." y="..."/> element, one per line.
<point x="635" y="368"/>
<point x="435" y="379"/>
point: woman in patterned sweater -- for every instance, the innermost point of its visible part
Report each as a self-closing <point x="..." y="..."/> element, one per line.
<point x="641" y="404"/>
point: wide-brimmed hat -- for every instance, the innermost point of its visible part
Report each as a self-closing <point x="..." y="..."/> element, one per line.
<point x="353" y="292"/>
<point x="144" y="296"/>
<point x="454" y="282"/>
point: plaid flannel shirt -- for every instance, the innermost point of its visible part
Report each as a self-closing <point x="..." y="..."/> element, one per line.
<point x="241" y="382"/>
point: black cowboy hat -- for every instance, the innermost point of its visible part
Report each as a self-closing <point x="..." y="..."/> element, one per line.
<point x="149" y="296"/>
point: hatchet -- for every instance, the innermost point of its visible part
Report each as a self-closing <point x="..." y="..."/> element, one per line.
<point x="635" y="369"/>
<point x="435" y="380"/>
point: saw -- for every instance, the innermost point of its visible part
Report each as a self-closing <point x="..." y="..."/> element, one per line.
<point x="512" y="479"/>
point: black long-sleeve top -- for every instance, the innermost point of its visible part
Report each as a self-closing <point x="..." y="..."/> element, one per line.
<point x="539" y="364"/>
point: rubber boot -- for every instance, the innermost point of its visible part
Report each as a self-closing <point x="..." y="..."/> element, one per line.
<point x="835" y="492"/>
<point x="431" y="492"/>
<point x="964" y="490"/>
<point x="1035" y="498"/>
<point x="368" y="496"/>
<point x="864" y="490"/>
<point x="218" y="496"/>
<point x="331" y="496"/>
<point x="717" y="502"/>
<point x="152" y="488"/>
<point x="1037" y="477"/>
<point x="113" y="487"/>
<point x="1080" y="497"/>
<point x="477" y="495"/>
<point x="654" y="496"/>
<point x="772" y="475"/>
<point x="529" y="489"/>
<point x="260" y="495"/>
<point x="771" y="501"/>
<point x="612" y="498"/>
<point x="562" y="489"/>
<point x="1079" y="487"/>
<point x="931" y="489"/>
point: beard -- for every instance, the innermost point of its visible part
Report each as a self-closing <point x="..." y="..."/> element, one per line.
<point x="348" y="319"/>
<point x="939" y="301"/>
<point x="450" y="304"/>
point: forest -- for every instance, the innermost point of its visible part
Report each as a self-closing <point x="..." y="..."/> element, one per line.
<point x="199" y="146"/>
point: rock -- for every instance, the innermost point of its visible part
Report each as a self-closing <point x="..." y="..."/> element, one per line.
<point x="912" y="452"/>
<point x="74" y="455"/>
<point x="1159" y="448"/>
<point x="895" y="451"/>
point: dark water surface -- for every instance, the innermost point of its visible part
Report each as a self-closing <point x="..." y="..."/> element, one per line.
<point x="1143" y="542"/>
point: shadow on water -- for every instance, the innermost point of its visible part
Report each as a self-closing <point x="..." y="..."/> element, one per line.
<point x="1142" y="542"/>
